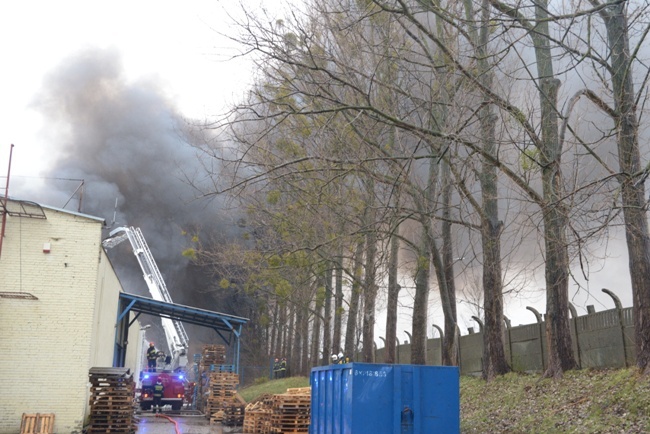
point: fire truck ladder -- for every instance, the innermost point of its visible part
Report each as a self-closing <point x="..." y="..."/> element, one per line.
<point x="177" y="339"/>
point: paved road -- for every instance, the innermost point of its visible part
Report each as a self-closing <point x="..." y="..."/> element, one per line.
<point x="151" y="424"/>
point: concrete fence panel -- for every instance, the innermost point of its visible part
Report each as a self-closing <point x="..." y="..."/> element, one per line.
<point x="600" y="340"/>
<point x="471" y="354"/>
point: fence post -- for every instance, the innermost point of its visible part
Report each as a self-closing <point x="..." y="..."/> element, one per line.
<point x="396" y="350"/>
<point x="385" y="348"/>
<point x="508" y="326"/>
<point x="619" y="311"/>
<point x="480" y="323"/>
<point x="441" y="339"/>
<point x="541" y="340"/>
<point x="458" y="348"/>
<point x="574" y="316"/>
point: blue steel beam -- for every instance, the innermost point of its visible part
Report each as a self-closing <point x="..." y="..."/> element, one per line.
<point x="219" y="322"/>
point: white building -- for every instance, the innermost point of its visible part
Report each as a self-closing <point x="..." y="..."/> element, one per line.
<point x="58" y="308"/>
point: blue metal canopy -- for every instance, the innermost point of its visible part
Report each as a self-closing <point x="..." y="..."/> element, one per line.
<point x="226" y="326"/>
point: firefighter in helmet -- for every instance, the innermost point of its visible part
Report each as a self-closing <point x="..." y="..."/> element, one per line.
<point x="283" y="368"/>
<point x="152" y="355"/>
<point x="276" y="368"/>
<point x="158" y="390"/>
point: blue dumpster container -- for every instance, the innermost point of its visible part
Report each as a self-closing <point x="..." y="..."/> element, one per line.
<point x="368" y="398"/>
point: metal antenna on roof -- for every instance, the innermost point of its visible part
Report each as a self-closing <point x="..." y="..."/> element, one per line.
<point x="79" y="189"/>
<point x="114" y="214"/>
<point x="4" y="203"/>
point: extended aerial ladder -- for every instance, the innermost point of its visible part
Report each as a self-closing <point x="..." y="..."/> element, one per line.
<point x="177" y="339"/>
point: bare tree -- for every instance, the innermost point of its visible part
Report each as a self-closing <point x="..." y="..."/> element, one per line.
<point x="632" y="188"/>
<point x="390" y="355"/>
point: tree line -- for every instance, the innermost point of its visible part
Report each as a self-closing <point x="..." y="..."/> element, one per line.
<point x="388" y="143"/>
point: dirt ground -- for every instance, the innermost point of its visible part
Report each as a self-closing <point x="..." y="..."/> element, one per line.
<point x="194" y="424"/>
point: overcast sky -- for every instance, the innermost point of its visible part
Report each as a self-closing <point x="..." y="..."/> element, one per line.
<point x="178" y="42"/>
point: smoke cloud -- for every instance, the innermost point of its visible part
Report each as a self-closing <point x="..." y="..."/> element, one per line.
<point x="125" y="139"/>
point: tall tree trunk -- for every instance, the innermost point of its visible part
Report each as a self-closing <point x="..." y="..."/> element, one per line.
<point x="441" y="266"/>
<point x="304" y="354"/>
<point x="448" y="295"/>
<point x="297" y="346"/>
<point x="315" y="335"/>
<point x="353" y="312"/>
<point x="289" y="338"/>
<point x="274" y="323"/>
<point x="421" y="307"/>
<point x="281" y="343"/>
<point x="370" y="284"/>
<point x="267" y="340"/>
<point x="558" y="335"/>
<point x="494" y="357"/>
<point x="633" y="192"/>
<point x="390" y="353"/>
<point x="443" y="261"/>
<point x="327" y="319"/>
<point x="338" y="306"/>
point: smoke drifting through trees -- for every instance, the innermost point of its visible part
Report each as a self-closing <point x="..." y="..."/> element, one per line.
<point x="126" y="140"/>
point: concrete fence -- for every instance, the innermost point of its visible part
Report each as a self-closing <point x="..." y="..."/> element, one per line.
<point x="600" y="340"/>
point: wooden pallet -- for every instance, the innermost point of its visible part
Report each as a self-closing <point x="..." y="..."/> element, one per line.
<point x="255" y="421"/>
<point x="224" y="378"/>
<point x="39" y="423"/>
<point x="291" y="416"/>
<point x="213" y="355"/>
<point x="292" y="403"/>
<point x="215" y="407"/>
<point x="257" y="416"/>
<point x="216" y="417"/>
<point x="299" y="391"/>
<point x="291" y="412"/>
<point x="233" y="415"/>
<point x="276" y="430"/>
<point x="110" y="376"/>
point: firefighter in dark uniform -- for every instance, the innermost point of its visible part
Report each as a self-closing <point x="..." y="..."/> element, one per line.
<point x="283" y="368"/>
<point x="276" y="368"/>
<point x="152" y="355"/>
<point x="158" y="390"/>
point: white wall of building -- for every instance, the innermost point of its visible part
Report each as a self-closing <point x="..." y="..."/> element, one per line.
<point x="48" y="345"/>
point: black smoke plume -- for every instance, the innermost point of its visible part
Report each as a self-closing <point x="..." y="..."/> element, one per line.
<point x="125" y="139"/>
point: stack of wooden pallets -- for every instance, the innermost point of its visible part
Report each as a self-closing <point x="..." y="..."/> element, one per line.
<point x="222" y="392"/>
<point x="38" y="423"/>
<point x="212" y="355"/>
<point x="233" y="415"/>
<point x="257" y="416"/>
<point x="291" y="411"/>
<point x="112" y="401"/>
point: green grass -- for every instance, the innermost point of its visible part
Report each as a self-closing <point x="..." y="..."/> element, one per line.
<point x="585" y="401"/>
<point x="273" y="387"/>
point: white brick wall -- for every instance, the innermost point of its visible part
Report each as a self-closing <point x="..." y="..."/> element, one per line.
<point x="48" y="345"/>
